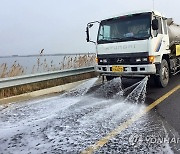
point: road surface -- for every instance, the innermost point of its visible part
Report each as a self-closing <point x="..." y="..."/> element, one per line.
<point x="106" y="118"/>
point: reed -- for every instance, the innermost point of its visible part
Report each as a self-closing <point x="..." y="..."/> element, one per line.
<point x="46" y="64"/>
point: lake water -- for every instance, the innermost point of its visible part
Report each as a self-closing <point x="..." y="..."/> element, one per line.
<point x="11" y="66"/>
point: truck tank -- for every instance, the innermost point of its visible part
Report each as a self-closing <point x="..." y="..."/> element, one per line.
<point x="174" y="31"/>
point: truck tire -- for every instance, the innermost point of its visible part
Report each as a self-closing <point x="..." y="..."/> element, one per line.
<point x="162" y="79"/>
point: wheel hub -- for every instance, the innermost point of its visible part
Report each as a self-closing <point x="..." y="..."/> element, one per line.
<point x="165" y="74"/>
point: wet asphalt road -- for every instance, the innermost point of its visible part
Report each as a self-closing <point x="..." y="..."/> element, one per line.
<point x="169" y="109"/>
<point x="76" y="120"/>
<point x="160" y="125"/>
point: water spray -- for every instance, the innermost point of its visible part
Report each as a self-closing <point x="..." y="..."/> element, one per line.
<point x="139" y="92"/>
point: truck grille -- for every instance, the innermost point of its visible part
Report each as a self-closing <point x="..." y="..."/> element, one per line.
<point x="122" y="59"/>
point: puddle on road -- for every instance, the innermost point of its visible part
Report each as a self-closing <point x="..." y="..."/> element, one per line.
<point x="71" y="122"/>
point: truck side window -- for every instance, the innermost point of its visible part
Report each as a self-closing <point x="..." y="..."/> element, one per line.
<point x="160" y="26"/>
<point x="165" y="26"/>
<point x="104" y="32"/>
<point x="159" y="31"/>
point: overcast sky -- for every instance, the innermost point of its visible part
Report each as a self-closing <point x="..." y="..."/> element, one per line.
<point x="58" y="26"/>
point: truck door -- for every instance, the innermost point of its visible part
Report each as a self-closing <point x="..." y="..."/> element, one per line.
<point x="158" y="37"/>
<point x="165" y="37"/>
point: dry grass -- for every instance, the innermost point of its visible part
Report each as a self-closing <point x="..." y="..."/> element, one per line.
<point x="14" y="70"/>
<point x="41" y="65"/>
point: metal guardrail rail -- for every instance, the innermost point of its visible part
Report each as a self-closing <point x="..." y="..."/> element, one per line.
<point x="27" y="79"/>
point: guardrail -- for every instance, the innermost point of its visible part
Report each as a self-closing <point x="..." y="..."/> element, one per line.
<point x="27" y="83"/>
<point x="26" y="79"/>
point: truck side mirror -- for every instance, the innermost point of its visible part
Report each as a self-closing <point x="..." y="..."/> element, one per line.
<point x="87" y="34"/>
<point x="89" y="25"/>
<point x="155" y="24"/>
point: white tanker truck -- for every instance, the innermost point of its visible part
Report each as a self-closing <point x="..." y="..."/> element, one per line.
<point x="137" y="44"/>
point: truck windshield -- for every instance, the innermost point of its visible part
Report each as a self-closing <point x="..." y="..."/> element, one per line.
<point x="125" y="28"/>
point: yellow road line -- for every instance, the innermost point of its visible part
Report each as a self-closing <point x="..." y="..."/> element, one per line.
<point x="126" y="124"/>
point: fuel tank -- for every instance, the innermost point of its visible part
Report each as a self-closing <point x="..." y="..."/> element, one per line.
<point x="173" y="30"/>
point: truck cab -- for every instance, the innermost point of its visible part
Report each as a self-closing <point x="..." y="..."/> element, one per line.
<point x="135" y="44"/>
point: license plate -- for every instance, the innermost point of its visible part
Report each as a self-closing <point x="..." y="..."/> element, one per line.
<point x="117" y="68"/>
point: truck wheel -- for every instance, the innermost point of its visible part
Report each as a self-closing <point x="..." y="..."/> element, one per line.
<point x="163" y="79"/>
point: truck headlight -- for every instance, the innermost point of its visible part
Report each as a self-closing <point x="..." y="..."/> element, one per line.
<point x="144" y="59"/>
<point x="104" y="60"/>
<point x="138" y="59"/>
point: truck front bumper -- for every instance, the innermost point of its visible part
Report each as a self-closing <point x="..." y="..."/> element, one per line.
<point x="128" y="70"/>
